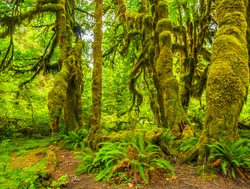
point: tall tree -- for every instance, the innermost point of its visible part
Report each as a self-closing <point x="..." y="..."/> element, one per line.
<point x="66" y="92"/>
<point x="97" y="78"/>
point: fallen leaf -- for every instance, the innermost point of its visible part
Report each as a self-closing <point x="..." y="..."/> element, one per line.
<point x="130" y="185"/>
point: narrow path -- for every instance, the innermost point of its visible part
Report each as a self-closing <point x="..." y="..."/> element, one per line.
<point x="186" y="178"/>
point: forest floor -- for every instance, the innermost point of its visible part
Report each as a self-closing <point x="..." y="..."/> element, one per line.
<point x="186" y="178"/>
<point x="63" y="162"/>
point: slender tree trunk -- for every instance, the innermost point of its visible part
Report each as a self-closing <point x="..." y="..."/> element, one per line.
<point x="248" y="31"/>
<point x="94" y="132"/>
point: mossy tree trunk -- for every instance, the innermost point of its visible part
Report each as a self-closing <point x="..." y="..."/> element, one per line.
<point x="65" y="95"/>
<point x="229" y="73"/>
<point x="94" y="132"/>
<point x="248" y="30"/>
<point x="174" y="112"/>
<point x="228" y="77"/>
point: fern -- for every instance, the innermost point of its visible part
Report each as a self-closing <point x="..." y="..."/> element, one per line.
<point x="114" y="161"/>
<point x="234" y="157"/>
<point x="74" y="139"/>
<point x="188" y="143"/>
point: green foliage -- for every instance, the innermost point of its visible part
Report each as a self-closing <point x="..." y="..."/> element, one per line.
<point x="166" y="137"/>
<point x="32" y="177"/>
<point x="188" y="143"/>
<point x="136" y="161"/>
<point x="231" y="158"/>
<point x="74" y="139"/>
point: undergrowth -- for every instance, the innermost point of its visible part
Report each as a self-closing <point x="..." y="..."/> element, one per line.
<point x="74" y="139"/>
<point x="136" y="161"/>
<point x="30" y="177"/>
<point x="232" y="158"/>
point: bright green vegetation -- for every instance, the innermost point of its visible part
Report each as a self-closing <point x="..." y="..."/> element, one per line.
<point x="232" y="158"/>
<point x="134" y="85"/>
<point x="136" y="161"/>
<point x="25" y="164"/>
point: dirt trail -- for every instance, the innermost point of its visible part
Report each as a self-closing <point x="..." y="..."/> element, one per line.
<point x="186" y="178"/>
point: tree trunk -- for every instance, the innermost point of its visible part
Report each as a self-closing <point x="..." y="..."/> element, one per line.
<point x="174" y="112"/>
<point x="229" y="73"/>
<point x="248" y="31"/>
<point x="94" y="132"/>
<point x="66" y="92"/>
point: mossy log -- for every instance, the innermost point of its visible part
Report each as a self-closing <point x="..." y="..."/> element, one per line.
<point x="150" y="136"/>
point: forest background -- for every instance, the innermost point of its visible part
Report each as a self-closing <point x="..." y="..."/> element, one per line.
<point x="173" y="70"/>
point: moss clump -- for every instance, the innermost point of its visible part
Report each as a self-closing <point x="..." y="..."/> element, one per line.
<point x="165" y="39"/>
<point x="162" y="9"/>
<point x="164" y="24"/>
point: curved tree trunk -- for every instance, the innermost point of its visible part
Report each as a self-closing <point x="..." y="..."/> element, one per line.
<point x="174" y="112"/>
<point x="94" y="132"/>
<point x="228" y="77"/>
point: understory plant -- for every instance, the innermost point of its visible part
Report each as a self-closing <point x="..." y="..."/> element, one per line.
<point x="136" y="161"/>
<point x="74" y="139"/>
<point x="231" y="158"/>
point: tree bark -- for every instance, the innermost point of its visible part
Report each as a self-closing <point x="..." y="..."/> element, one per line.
<point x="94" y="132"/>
<point x="66" y="92"/>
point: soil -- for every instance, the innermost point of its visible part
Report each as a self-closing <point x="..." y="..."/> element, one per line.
<point x="186" y="178"/>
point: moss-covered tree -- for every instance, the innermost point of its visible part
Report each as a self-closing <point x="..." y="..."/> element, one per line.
<point x="228" y="77"/>
<point x="94" y="133"/>
<point x="66" y="93"/>
<point x="174" y="112"/>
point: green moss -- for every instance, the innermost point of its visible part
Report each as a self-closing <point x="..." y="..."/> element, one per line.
<point x="162" y="9"/>
<point x="229" y="73"/>
<point x="164" y="24"/>
<point x="165" y="39"/>
<point x="228" y="6"/>
<point x="148" y="22"/>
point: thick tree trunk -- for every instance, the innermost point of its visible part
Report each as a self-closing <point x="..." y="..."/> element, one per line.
<point x="66" y="93"/>
<point x="94" y="132"/>
<point x="229" y="73"/>
<point x="73" y="104"/>
<point x="228" y="77"/>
